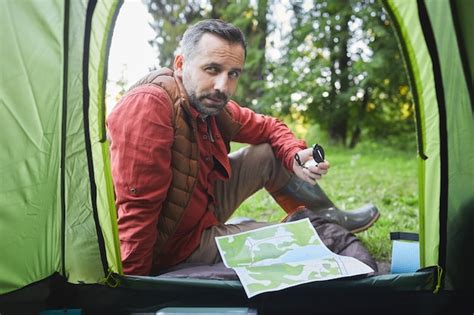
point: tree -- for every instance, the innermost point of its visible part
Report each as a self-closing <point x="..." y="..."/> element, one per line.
<point x="336" y="67"/>
<point x="171" y="18"/>
<point x="338" y="71"/>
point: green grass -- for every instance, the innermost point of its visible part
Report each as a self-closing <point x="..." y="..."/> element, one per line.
<point x="370" y="173"/>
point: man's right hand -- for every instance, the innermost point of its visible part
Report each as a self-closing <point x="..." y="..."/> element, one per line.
<point x="312" y="173"/>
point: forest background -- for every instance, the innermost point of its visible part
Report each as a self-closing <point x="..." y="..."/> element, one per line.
<point x="333" y="71"/>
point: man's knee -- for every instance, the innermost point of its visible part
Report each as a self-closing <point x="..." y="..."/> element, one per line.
<point x="255" y="153"/>
<point x="270" y="167"/>
<point x="263" y="151"/>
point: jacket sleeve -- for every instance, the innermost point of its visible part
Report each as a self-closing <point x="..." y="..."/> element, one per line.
<point x="141" y="135"/>
<point x="257" y="128"/>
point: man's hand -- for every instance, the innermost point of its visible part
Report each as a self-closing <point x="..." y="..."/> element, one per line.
<point x="312" y="173"/>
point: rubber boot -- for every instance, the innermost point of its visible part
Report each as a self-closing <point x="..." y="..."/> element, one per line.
<point x="297" y="194"/>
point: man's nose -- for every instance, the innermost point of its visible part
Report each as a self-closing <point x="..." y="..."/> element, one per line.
<point x="221" y="84"/>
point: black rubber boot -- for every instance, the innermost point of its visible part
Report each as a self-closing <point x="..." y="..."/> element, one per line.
<point x="314" y="198"/>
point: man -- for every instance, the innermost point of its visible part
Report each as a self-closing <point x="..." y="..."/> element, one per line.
<point x="175" y="183"/>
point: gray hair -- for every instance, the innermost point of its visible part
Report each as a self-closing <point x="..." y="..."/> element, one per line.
<point x="222" y="29"/>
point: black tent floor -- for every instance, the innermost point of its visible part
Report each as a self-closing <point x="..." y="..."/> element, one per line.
<point x="382" y="294"/>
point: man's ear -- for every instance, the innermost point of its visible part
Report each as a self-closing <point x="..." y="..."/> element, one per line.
<point x="178" y="65"/>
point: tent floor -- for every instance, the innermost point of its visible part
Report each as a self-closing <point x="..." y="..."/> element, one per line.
<point x="335" y="303"/>
<point x="356" y="296"/>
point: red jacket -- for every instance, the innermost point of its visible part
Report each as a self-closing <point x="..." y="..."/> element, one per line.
<point x="141" y="132"/>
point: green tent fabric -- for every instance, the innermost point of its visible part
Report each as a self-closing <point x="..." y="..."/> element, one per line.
<point x="57" y="213"/>
<point x="434" y="38"/>
<point x="459" y="131"/>
<point x="56" y="197"/>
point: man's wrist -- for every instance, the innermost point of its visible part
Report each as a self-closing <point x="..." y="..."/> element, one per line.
<point x="298" y="160"/>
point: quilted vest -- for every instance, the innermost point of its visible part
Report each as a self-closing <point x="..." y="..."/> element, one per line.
<point x="185" y="154"/>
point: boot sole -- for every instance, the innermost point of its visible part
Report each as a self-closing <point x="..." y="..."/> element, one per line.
<point x="368" y="225"/>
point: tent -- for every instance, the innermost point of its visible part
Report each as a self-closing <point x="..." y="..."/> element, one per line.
<point x="57" y="216"/>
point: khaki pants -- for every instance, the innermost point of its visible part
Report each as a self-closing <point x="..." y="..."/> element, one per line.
<point x="253" y="168"/>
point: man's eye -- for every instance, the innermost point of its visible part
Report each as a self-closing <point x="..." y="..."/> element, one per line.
<point x="211" y="70"/>
<point x="234" y="74"/>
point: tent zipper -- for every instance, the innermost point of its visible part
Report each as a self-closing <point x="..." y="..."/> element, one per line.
<point x="63" y="137"/>
<point x="91" y="5"/>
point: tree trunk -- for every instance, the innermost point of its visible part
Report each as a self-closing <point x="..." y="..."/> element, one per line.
<point x="340" y="118"/>
<point x="257" y="38"/>
<point x="338" y="131"/>
<point x="355" y="138"/>
<point x="262" y="27"/>
<point x="218" y="7"/>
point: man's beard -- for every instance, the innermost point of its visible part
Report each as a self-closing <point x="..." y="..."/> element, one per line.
<point x="208" y="110"/>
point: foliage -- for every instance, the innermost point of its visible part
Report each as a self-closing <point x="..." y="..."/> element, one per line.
<point x="339" y="63"/>
<point x="339" y="71"/>
<point x="332" y="65"/>
<point x="171" y="18"/>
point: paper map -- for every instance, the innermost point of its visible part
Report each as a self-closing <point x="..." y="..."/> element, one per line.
<point x="283" y="255"/>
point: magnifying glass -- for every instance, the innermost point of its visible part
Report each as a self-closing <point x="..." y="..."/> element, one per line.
<point x="318" y="153"/>
<point x="318" y="157"/>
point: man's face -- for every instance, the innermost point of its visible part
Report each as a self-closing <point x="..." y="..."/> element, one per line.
<point x="210" y="76"/>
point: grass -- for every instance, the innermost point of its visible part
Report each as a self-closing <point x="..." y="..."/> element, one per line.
<point x="373" y="173"/>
